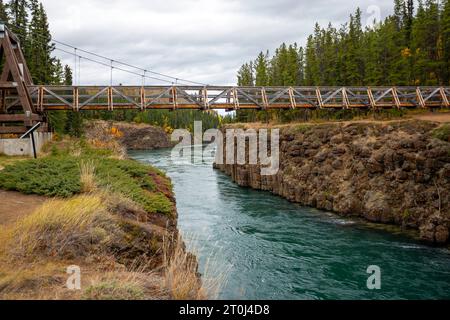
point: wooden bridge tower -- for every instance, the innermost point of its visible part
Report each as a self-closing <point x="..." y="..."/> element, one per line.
<point x="17" y="112"/>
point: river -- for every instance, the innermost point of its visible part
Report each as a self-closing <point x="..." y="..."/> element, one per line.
<point x="270" y="248"/>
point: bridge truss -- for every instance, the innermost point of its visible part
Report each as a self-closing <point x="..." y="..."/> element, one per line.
<point x="47" y="98"/>
<point x="23" y="104"/>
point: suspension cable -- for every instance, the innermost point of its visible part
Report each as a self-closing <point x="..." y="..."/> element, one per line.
<point x="115" y="67"/>
<point x="119" y="62"/>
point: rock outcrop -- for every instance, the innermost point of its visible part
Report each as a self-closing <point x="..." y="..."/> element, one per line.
<point x="394" y="173"/>
<point x="130" y="135"/>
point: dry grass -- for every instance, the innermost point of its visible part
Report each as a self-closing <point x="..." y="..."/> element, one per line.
<point x="135" y="283"/>
<point x="128" y="289"/>
<point x="215" y="273"/>
<point x="61" y="228"/>
<point x="118" y="150"/>
<point x="37" y="281"/>
<point x="9" y="160"/>
<point x="84" y="231"/>
<point x="213" y="280"/>
<point x="87" y="176"/>
<point x="181" y="279"/>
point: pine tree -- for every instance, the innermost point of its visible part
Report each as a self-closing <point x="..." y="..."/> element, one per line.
<point x="425" y="41"/>
<point x="3" y="13"/>
<point x="261" y="70"/>
<point x="292" y="65"/>
<point x="301" y="65"/>
<point x="246" y="78"/>
<point x="245" y="75"/>
<point x="311" y="68"/>
<point x="68" y="75"/>
<point x="446" y="42"/>
<point x="354" y="62"/>
<point x="74" y="124"/>
<point x="408" y="18"/>
<point x="44" y="68"/>
<point x="18" y="21"/>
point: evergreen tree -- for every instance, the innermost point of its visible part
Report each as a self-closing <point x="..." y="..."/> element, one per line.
<point x="311" y="68"/>
<point x="354" y="62"/>
<point x="446" y="42"/>
<point x="68" y="75"/>
<point x="408" y="18"/>
<point x="3" y="13"/>
<point x="44" y="68"/>
<point x="245" y="75"/>
<point x="246" y="78"/>
<point x="18" y="21"/>
<point x="74" y="123"/>
<point x="425" y="37"/>
<point x="261" y="70"/>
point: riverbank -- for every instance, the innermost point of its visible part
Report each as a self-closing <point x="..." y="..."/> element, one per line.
<point x="111" y="218"/>
<point x="131" y="136"/>
<point x="386" y="172"/>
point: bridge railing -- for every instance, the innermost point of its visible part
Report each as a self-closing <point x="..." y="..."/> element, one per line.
<point x="233" y="98"/>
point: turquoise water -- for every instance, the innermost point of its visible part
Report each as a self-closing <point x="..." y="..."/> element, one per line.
<point x="274" y="249"/>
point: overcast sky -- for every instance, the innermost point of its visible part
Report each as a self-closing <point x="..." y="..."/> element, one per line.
<point x="200" y="40"/>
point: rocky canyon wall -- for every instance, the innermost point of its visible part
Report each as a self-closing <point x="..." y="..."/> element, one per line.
<point x="394" y="173"/>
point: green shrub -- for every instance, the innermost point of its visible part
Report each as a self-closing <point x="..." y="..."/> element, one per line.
<point x="114" y="290"/>
<point x="59" y="175"/>
<point x="159" y="203"/>
<point x="133" y="180"/>
<point x="442" y="133"/>
<point x="51" y="177"/>
<point x="302" y="128"/>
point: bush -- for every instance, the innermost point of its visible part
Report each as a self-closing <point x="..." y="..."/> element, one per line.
<point x="65" y="173"/>
<point x="442" y="133"/>
<point x="48" y="176"/>
<point x="114" y="290"/>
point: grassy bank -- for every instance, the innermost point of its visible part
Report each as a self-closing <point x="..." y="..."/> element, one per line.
<point x="59" y="174"/>
<point x="112" y="217"/>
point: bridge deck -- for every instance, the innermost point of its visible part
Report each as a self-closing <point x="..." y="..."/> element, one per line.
<point x="48" y="98"/>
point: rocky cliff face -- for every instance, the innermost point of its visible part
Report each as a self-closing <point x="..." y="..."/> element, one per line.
<point x="130" y="135"/>
<point x="394" y="173"/>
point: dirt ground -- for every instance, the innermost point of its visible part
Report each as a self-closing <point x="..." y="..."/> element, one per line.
<point x="435" y="117"/>
<point x="15" y="205"/>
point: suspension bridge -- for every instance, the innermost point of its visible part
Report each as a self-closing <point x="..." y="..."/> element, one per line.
<point x="23" y="104"/>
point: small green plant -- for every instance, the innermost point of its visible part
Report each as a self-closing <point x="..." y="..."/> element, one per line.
<point x="302" y="128"/>
<point x="114" y="290"/>
<point x="406" y="214"/>
<point x="442" y="133"/>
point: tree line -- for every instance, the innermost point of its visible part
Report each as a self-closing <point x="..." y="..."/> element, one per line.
<point x="167" y="119"/>
<point x="409" y="47"/>
<point x="28" y="20"/>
